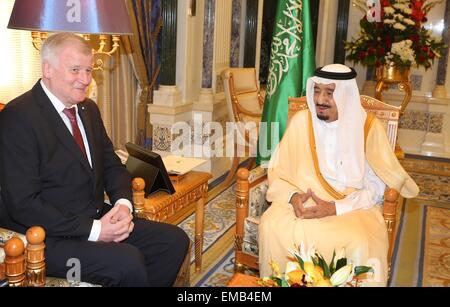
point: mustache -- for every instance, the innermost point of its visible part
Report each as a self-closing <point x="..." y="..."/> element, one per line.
<point x="323" y="106"/>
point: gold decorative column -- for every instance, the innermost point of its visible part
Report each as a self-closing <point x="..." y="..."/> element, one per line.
<point x="391" y="74"/>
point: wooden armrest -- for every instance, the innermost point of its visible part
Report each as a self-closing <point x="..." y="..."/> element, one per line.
<point x="261" y="101"/>
<point x="389" y="214"/>
<point x="26" y="266"/>
<point x="138" y="185"/>
<point x="242" y="196"/>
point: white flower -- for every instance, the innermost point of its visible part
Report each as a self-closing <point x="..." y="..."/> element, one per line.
<point x="409" y="21"/>
<point x="400" y="6"/>
<point x="292" y="266"/>
<point x="399" y="16"/>
<point x="306" y="256"/>
<point x="389" y="10"/>
<point x="399" y="26"/>
<point x="340" y="276"/>
<point x="389" y="21"/>
<point x="404" y="51"/>
<point x="407" y="11"/>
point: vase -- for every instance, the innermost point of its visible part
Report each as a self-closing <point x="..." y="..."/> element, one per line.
<point x="391" y="74"/>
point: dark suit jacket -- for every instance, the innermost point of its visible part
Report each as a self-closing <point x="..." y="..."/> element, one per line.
<point x="44" y="178"/>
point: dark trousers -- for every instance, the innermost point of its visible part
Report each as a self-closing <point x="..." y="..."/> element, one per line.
<point x="150" y="256"/>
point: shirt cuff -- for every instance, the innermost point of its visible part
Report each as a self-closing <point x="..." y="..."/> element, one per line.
<point x="95" y="231"/>
<point x="126" y="202"/>
<point x="342" y="207"/>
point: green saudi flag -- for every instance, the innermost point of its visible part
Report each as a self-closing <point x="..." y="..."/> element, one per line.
<point x="291" y="64"/>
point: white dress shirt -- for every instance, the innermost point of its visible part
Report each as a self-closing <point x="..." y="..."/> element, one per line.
<point x="59" y="106"/>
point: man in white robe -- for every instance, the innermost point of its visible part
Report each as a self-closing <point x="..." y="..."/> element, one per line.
<point x="327" y="179"/>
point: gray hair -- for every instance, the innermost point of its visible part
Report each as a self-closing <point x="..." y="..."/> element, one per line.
<point x="54" y="44"/>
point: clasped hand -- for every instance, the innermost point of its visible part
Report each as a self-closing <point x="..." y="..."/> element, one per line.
<point x="117" y="224"/>
<point x="321" y="209"/>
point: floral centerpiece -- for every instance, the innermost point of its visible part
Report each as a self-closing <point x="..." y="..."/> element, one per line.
<point x="393" y="33"/>
<point x="309" y="269"/>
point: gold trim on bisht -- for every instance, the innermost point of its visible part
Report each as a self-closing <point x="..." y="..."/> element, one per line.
<point x="367" y="126"/>
<point x="370" y="119"/>
<point x="335" y="194"/>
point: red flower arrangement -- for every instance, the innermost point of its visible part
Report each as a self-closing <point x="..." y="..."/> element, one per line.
<point x="393" y="31"/>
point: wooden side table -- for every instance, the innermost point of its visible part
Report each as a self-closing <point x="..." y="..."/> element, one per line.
<point x="190" y="190"/>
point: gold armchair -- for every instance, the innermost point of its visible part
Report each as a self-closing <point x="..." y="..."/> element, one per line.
<point x="245" y="106"/>
<point x="251" y="187"/>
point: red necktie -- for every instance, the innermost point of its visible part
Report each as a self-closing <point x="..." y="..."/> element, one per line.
<point x="70" y="113"/>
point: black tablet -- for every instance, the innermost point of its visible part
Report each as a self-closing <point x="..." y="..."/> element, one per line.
<point x="149" y="166"/>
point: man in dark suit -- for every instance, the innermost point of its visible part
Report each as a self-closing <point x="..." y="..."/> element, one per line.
<point x="56" y="162"/>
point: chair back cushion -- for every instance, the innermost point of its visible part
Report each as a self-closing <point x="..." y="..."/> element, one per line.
<point x="242" y="94"/>
<point x="244" y="80"/>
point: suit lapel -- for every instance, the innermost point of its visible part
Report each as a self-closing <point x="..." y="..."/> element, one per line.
<point x="87" y="123"/>
<point x="59" y="128"/>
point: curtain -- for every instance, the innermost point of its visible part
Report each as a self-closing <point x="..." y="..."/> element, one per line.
<point x="20" y="62"/>
<point x="146" y="21"/>
<point x="116" y="97"/>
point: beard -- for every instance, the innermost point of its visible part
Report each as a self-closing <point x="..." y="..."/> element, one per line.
<point x="321" y="116"/>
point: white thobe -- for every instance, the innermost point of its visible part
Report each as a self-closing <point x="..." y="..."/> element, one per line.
<point x="331" y="169"/>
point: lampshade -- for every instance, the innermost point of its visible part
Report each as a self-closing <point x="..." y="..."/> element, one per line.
<point x="79" y="16"/>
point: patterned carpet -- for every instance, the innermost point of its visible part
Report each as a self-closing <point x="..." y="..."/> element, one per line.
<point x="433" y="178"/>
<point x="219" y="274"/>
<point x="422" y="254"/>
<point x="219" y="217"/>
<point x="436" y="265"/>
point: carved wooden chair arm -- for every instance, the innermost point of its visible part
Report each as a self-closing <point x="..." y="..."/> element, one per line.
<point x="138" y="186"/>
<point x="242" y="198"/>
<point x="391" y="197"/>
<point x="260" y="101"/>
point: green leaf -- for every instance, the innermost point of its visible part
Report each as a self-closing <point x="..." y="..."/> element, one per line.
<point x="284" y="283"/>
<point x="341" y="263"/>
<point x="362" y="269"/>
<point x="370" y="60"/>
<point x="300" y="261"/>
<point x="315" y="260"/>
<point x="332" y="268"/>
<point x="279" y="281"/>
<point x="323" y="264"/>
